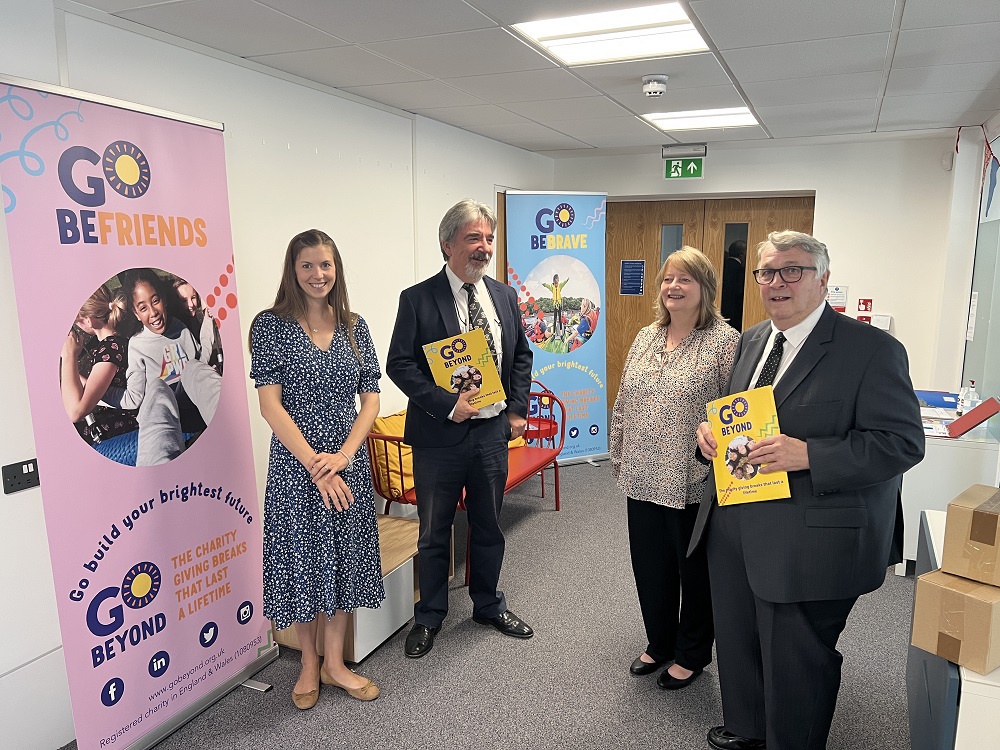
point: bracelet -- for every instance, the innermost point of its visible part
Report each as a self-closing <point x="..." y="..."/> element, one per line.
<point x="350" y="461"/>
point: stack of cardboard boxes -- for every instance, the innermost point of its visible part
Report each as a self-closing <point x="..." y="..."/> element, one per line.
<point x="956" y="614"/>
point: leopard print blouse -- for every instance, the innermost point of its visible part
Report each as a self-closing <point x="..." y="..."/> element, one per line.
<point x="660" y="403"/>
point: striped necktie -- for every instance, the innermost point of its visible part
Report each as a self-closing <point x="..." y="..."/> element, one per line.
<point x="477" y="319"/>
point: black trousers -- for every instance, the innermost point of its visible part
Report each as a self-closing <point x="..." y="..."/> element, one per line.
<point x="668" y="582"/>
<point x="779" y="667"/>
<point x="478" y="465"/>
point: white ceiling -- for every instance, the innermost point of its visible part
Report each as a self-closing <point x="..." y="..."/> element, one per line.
<point x="805" y="67"/>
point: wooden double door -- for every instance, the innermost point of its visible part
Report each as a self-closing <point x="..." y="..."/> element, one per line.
<point x="650" y="230"/>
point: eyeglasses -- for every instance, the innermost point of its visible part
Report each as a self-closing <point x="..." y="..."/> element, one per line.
<point x="788" y="274"/>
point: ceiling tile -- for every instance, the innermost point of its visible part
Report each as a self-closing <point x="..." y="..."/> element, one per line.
<point x="566" y="109"/>
<point x="930" y="119"/>
<point x="927" y="107"/>
<point x="477" y="114"/>
<point x="259" y="31"/>
<point x="832" y="88"/>
<point x="471" y="52"/>
<point x="520" y="11"/>
<point x="825" y="118"/>
<point x="685" y="71"/>
<point x="416" y="95"/>
<point x="754" y="133"/>
<point x="341" y="67"/>
<point x="528" y="135"/>
<point x="732" y="24"/>
<point x="583" y="129"/>
<point x="113" y="6"/>
<point x="949" y="45"/>
<point x="524" y="86"/>
<point x="921" y="14"/>
<point x="943" y="79"/>
<point x="380" y="20"/>
<point x="684" y="100"/>
<point x="852" y="54"/>
<point x="650" y="138"/>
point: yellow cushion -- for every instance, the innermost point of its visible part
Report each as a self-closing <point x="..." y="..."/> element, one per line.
<point x="392" y="424"/>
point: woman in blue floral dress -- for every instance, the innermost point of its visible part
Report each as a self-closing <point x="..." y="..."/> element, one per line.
<point x="310" y="357"/>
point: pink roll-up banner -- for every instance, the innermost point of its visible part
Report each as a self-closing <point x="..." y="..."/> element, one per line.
<point x="117" y="223"/>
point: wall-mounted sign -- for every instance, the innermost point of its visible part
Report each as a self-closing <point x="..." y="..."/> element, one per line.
<point x="837" y="297"/>
<point x="632" y="278"/>
<point x="864" y="305"/>
<point x="685" y="169"/>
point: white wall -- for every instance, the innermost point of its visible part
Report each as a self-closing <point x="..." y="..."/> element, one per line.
<point x="884" y="208"/>
<point x="298" y="156"/>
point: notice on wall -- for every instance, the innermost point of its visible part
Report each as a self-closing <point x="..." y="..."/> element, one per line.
<point x="837" y="297"/>
<point x="970" y="329"/>
<point x="633" y="277"/>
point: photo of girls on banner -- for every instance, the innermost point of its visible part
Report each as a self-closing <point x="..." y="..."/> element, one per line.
<point x="119" y="221"/>
<point x="555" y="262"/>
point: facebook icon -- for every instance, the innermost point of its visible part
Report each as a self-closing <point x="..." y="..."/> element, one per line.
<point x="112" y="691"/>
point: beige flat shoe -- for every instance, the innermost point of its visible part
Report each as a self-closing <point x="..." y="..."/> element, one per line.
<point x="367" y="692"/>
<point x="305" y="701"/>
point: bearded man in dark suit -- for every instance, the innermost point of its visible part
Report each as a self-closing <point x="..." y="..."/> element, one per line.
<point x="456" y="446"/>
<point x="786" y="573"/>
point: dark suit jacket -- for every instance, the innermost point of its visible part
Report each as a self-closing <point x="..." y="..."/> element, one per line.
<point x="427" y="313"/>
<point x="848" y="394"/>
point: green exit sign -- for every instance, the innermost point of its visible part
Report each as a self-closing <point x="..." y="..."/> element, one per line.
<point x="685" y="169"/>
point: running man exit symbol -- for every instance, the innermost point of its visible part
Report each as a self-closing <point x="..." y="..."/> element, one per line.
<point x="681" y="169"/>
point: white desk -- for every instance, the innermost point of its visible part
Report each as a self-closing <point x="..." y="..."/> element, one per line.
<point x="950" y="465"/>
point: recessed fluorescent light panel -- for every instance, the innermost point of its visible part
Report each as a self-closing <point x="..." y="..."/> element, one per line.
<point x="702" y="119"/>
<point x="653" y="31"/>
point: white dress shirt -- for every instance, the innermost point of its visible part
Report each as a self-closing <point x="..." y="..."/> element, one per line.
<point x="794" y="338"/>
<point x="462" y="309"/>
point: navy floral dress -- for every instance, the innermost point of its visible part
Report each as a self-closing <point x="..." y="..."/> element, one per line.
<point x="316" y="560"/>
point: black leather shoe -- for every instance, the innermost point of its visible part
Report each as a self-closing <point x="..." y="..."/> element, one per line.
<point x="640" y="667"/>
<point x="667" y="681"/>
<point x="419" y="641"/>
<point x="720" y="739"/>
<point x="509" y="624"/>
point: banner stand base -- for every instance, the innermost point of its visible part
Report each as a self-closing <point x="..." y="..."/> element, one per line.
<point x="260" y="687"/>
<point x="592" y="460"/>
<point x="182" y="718"/>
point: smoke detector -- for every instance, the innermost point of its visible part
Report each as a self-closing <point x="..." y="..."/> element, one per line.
<point x="654" y="85"/>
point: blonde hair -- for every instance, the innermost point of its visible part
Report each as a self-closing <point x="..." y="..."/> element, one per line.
<point x="697" y="265"/>
<point x="105" y="306"/>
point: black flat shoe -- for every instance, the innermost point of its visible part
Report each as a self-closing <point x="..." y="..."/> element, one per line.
<point x="640" y="667"/>
<point x="720" y="739"/>
<point x="509" y="624"/>
<point x="419" y="641"/>
<point x="667" y="681"/>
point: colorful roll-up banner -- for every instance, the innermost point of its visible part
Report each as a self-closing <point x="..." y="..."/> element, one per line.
<point x="117" y="224"/>
<point x="555" y="261"/>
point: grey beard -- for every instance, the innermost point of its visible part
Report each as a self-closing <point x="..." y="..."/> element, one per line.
<point x="475" y="272"/>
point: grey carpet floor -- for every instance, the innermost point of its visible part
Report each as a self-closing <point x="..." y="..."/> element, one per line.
<point x="568" y="575"/>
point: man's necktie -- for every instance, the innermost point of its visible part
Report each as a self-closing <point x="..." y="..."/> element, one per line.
<point x="770" y="368"/>
<point x="477" y="319"/>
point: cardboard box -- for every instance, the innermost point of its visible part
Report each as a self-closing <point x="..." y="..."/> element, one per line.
<point x="958" y="619"/>
<point x="972" y="535"/>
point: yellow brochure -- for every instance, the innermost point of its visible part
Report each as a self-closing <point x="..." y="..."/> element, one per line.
<point x="460" y="362"/>
<point x="738" y="421"/>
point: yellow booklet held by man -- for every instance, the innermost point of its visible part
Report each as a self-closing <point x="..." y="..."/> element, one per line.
<point x="461" y="362"/>
<point x="738" y="422"/>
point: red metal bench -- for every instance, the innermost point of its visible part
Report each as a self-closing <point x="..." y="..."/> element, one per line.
<point x="391" y="459"/>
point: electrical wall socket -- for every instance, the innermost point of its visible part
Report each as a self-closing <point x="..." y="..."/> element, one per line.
<point x="20" y="476"/>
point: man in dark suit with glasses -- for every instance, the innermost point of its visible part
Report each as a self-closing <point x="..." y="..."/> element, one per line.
<point x="786" y="573"/>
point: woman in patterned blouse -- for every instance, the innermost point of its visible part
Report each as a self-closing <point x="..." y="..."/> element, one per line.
<point x="675" y="366"/>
